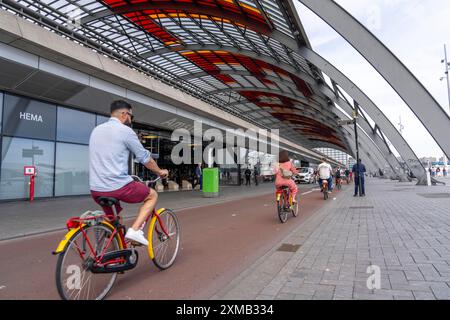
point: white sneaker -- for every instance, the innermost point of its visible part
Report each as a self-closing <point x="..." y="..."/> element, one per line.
<point x="137" y="236"/>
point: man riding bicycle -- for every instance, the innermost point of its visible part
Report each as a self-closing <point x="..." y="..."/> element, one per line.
<point x="325" y="173"/>
<point x="109" y="147"/>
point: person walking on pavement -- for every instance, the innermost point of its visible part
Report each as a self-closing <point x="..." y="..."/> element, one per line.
<point x="248" y="174"/>
<point x="198" y="176"/>
<point x="256" y="173"/>
<point x="359" y="169"/>
<point x="347" y="175"/>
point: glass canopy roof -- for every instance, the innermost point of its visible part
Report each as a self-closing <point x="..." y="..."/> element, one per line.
<point x="220" y="51"/>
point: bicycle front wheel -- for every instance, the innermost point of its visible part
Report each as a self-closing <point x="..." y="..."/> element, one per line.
<point x="163" y="248"/>
<point x="74" y="280"/>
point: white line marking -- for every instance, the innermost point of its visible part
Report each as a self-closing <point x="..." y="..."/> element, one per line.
<point x="310" y="191"/>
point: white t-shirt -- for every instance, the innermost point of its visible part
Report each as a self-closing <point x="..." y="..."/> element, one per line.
<point x="324" y="170"/>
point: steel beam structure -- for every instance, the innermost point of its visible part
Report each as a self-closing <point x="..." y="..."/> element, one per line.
<point x="418" y="99"/>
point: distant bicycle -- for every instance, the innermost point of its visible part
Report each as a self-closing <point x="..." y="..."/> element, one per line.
<point x="339" y="183"/>
<point x="285" y="204"/>
<point x="95" y="250"/>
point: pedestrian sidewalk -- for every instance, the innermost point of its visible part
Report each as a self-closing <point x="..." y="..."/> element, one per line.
<point x="401" y="228"/>
<point x="22" y="218"/>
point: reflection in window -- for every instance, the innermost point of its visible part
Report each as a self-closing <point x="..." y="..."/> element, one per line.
<point x="72" y="169"/>
<point x="74" y="126"/>
<point x="17" y="153"/>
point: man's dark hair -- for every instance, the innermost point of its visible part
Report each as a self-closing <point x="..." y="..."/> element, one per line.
<point x="120" y="104"/>
<point x="283" y="156"/>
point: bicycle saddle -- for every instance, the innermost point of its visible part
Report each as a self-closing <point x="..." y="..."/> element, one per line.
<point x="107" y="202"/>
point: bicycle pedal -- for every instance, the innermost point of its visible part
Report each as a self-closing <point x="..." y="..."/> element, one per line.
<point x="136" y="244"/>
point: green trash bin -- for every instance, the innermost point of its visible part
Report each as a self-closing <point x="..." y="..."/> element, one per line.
<point x="210" y="180"/>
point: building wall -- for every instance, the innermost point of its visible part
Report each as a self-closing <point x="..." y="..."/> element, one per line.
<point x="51" y="137"/>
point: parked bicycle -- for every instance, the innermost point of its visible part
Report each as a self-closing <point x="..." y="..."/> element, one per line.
<point x="285" y="204"/>
<point x="95" y="251"/>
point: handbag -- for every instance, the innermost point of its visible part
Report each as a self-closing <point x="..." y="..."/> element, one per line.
<point x="286" y="174"/>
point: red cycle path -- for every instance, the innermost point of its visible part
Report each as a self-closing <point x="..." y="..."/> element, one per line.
<point x="218" y="242"/>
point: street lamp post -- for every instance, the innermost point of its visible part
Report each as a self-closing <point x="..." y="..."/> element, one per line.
<point x="355" y="124"/>
<point x="447" y="69"/>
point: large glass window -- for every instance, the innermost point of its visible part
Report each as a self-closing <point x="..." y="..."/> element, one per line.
<point x="101" y="119"/>
<point x="72" y="169"/>
<point x="28" y="118"/>
<point x="1" y="110"/>
<point x="17" y="153"/>
<point x="74" y="126"/>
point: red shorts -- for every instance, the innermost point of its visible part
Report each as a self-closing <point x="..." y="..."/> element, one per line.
<point x="133" y="192"/>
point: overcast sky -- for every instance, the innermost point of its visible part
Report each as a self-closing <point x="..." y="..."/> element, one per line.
<point x="415" y="31"/>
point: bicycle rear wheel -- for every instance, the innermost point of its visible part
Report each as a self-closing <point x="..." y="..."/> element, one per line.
<point x="295" y="209"/>
<point x="282" y="208"/>
<point x="74" y="280"/>
<point x="164" y="249"/>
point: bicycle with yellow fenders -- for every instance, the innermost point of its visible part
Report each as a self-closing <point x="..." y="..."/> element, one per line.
<point x="94" y="250"/>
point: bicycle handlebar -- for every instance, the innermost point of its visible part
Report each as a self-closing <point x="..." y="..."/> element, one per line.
<point x="138" y="179"/>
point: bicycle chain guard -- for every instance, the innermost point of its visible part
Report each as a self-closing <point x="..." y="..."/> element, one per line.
<point x="130" y="256"/>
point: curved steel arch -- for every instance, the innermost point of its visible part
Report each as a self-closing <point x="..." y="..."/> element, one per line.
<point x="291" y="85"/>
<point x="379" y="142"/>
<point x="185" y="7"/>
<point x="274" y="34"/>
<point x="245" y="52"/>
<point x="413" y="93"/>
<point x="368" y="152"/>
<point x="400" y="144"/>
<point x="363" y="152"/>
<point x="357" y="94"/>
<point x="366" y="137"/>
<point x="369" y="131"/>
<point x="304" y="101"/>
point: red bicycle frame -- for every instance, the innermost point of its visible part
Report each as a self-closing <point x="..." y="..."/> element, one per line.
<point x="285" y="193"/>
<point x="77" y="222"/>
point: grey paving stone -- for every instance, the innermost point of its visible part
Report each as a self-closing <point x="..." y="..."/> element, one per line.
<point x="302" y="297"/>
<point x="264" y="297"/>
<point x="441" y="291"/>
<point x="424" y="295"/>
<point x="406" y="236"/>
<point x="284" y="296"/>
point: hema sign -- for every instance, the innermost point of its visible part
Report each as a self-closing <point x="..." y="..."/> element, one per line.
<point x="29" y="118"/>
